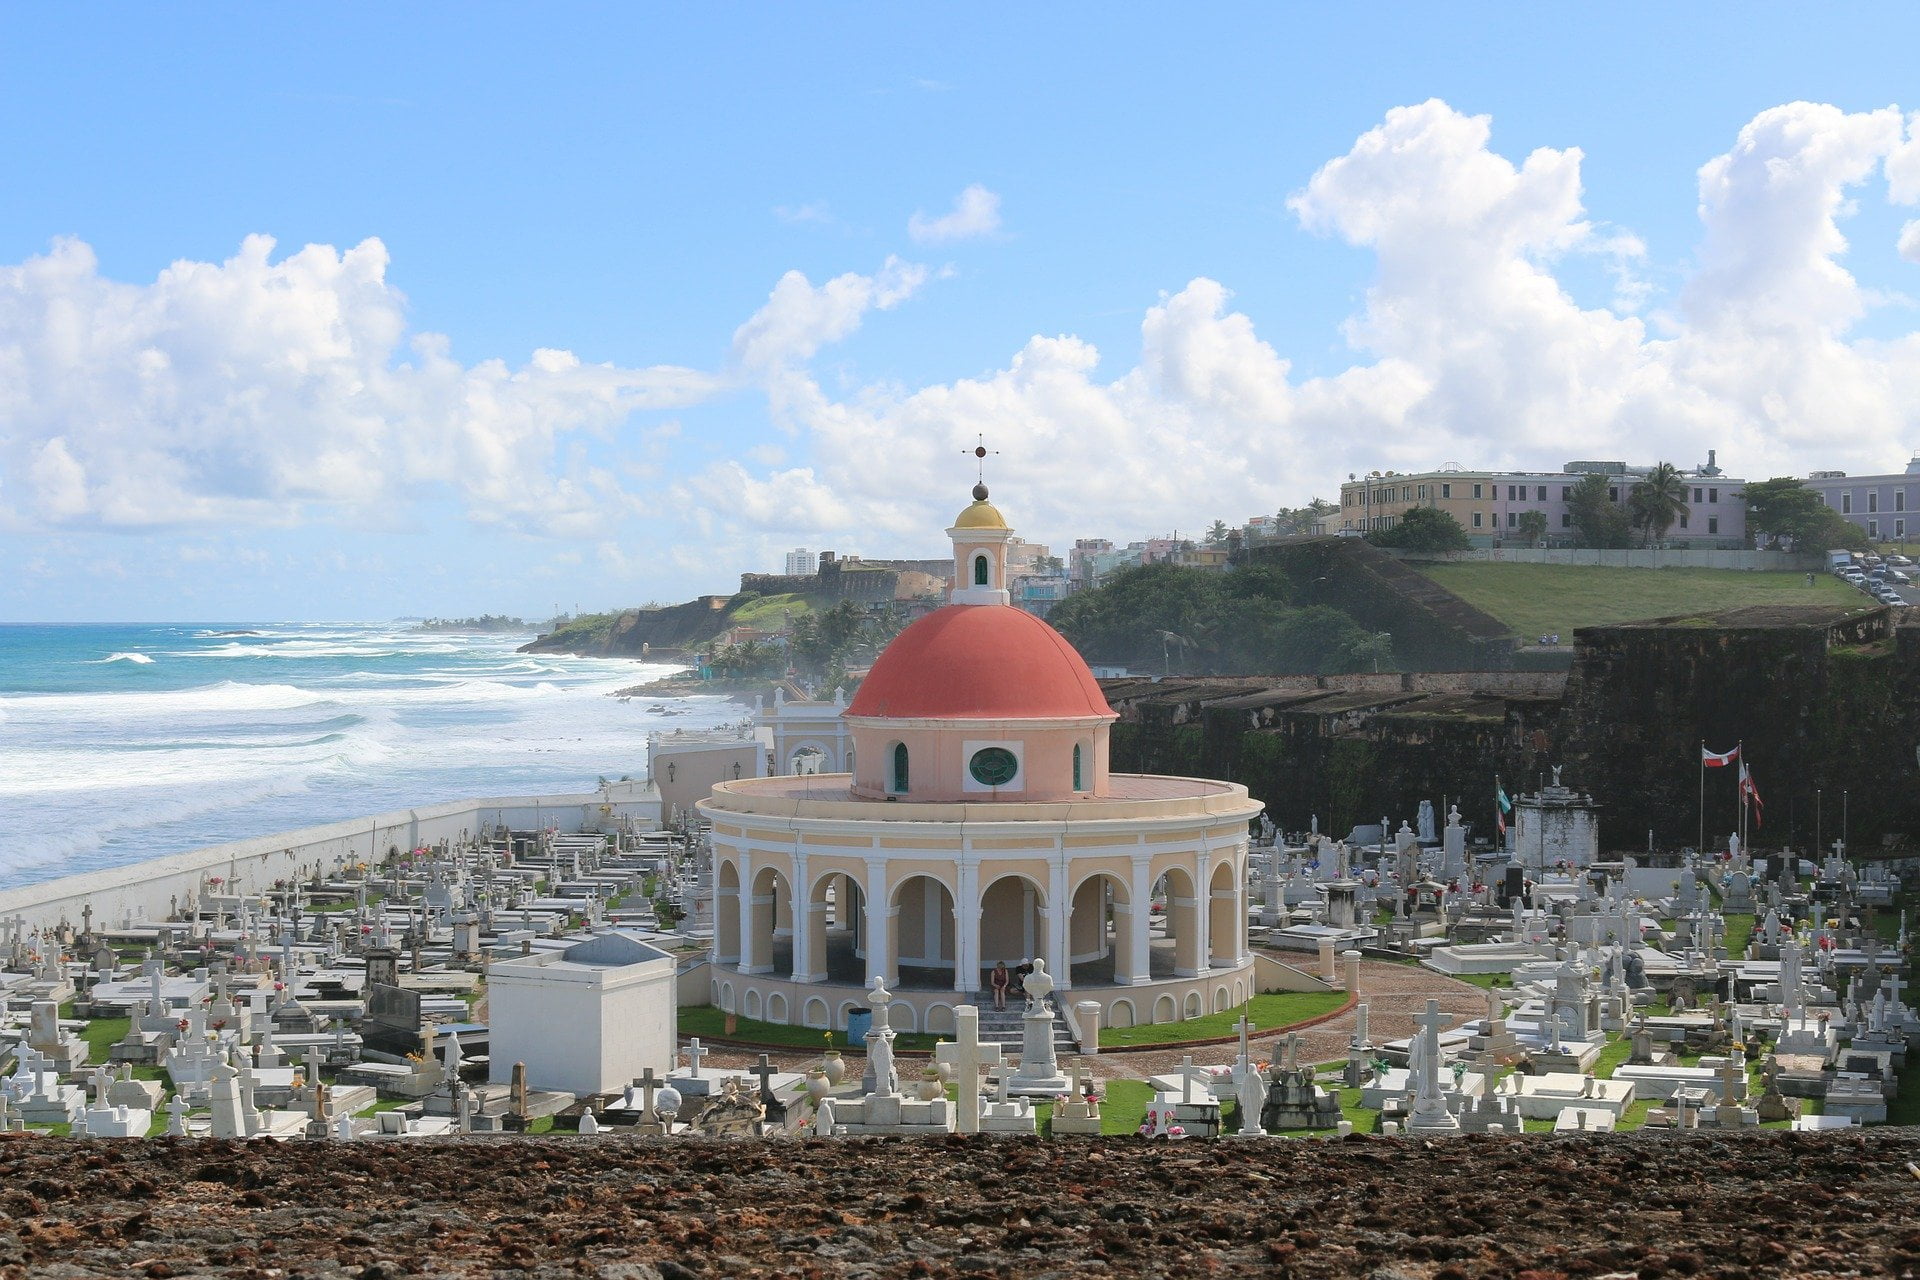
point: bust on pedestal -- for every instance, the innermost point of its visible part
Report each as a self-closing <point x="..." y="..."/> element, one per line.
<point x="1039" y="1071"/>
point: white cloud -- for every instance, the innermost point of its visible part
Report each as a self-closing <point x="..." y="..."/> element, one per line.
<point x="799" y="317"/>
<point x="251" y="391"/>
<point x="976" y="212"/>
<point x="1909" y="244"/>
<point x="812" y="213"/>
<point x="1471" y="349"/>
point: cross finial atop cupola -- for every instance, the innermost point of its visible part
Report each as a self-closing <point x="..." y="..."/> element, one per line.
<point x="980" y="452"/>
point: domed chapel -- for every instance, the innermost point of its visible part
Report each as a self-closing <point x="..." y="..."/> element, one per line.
<point x="980" y="823"/>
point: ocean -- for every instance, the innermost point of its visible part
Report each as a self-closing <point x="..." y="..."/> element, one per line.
<point x="122" y="743"/>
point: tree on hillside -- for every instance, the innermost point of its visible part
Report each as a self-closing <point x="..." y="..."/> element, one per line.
<point x="1658" y="501"/>
<point x="1217" y="535"/>
<point x="1597" y="522"/>
<point x="1533" y="527"/>
<point x="1423" y="529"/>
<point x="1178" y="619"/>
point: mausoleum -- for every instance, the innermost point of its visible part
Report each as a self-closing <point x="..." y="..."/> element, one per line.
<point x="977" y="822"/>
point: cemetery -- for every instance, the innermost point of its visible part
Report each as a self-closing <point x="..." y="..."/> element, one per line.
<point x="978" y="940"/>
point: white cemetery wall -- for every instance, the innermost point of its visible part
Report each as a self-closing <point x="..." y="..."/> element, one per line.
<point x="145" y="888"/>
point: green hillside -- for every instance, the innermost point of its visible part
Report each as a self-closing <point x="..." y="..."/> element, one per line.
<point x="1543" y="599"/>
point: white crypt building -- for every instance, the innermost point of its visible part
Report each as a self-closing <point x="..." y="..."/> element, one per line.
<point x="977" y="822"/>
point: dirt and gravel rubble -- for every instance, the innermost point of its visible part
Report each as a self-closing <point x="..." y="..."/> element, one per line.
<point x="1643" y="1205"/>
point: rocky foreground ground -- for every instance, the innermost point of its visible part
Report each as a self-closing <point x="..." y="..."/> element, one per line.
<point x="1762" y="1204"/>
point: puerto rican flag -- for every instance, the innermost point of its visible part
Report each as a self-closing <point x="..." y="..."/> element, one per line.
<point x="1717" y="759"/>
<point x="1750" y="793"/>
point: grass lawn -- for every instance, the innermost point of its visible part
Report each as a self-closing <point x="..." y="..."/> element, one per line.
<point x="1487" y="980"/>
<point x="101" y="1035"/>
<point x="1124" y="1108"/>
<point x="772" y="612"/>
<point x="1279" y="1010"/>
<point x="1739" y="933"/>
<point x="1542" y="599"/>
<point x="708" y="1022"/>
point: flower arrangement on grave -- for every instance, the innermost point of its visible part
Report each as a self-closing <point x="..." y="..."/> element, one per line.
<point x="215" y="881"/>
<point x="218" y="1024"/>
<point x="1160" y="1124"/>
<point x="183" y="1024"/>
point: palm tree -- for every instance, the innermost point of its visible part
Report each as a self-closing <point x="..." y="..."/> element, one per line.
<point x="1533" y="527"/>
<point x="1658" y="501"/>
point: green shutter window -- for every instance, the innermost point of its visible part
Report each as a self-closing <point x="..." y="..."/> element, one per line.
<point x="900" y="766"/>
<point x="993" y="766"/>
<point x="979" y="571"/>
<point x="1076" y="767"/>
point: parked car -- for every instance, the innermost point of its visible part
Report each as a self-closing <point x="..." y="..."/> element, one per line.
<point x="1894" y="575"/>
<point x="1855" y="578"/>
<point x="1902" y="561"/>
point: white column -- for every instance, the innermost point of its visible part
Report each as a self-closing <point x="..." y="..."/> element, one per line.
<point x="1243" y="951"/>
<point x="1203" y="909"/>
<point x="966" y="925"/>
<point x="746" y="914"/>
<point x="1139" y="940"/>
<point x="803" y="919"/>
<point x="881" y="959"/>
<point x="1059" y="912"/>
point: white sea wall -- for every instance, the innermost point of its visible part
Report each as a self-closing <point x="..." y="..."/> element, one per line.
<point x="149" y="889"/>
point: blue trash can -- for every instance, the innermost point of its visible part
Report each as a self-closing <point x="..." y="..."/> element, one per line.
<point x="859" y="1022"/>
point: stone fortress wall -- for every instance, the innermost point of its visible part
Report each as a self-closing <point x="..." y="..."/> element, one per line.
<point x="1821" y="698"/>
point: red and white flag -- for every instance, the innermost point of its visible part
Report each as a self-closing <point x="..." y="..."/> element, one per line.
<point x="1750" y="793"/>
<point x="1717" y="759"/>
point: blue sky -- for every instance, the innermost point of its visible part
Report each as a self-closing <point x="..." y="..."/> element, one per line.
<point x="1150" y="300"/>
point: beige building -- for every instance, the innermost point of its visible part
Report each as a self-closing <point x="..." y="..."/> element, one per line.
<point x="1490" y="505"/>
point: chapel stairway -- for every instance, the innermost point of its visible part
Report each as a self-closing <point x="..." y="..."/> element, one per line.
<point x="1006" y="1028"/>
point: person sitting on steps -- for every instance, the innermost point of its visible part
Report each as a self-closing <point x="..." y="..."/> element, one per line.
<point x="999" y="982"/>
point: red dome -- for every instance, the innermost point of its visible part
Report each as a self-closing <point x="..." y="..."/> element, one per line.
<point x="979" y="662"/>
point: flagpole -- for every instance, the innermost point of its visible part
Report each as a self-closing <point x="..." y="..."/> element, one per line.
<point x="1702" y="844"/>
<point x="1740" y="793"/>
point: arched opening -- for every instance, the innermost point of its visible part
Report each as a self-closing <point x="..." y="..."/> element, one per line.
<point x="924" y="927"/>
<point x="753" y="1004"/>
<point x="1226" y="917"/>
<point x="1077" y="784"/>
<point x="1175" y="937"/>
<point x="1100" y="932"/>
<point x="807" y="760"/>
<point x="726" y="914"/>
<point x="814" y="1013"/>
<point x="777" y="1009"/>
<point x="839" y="914"/>
<point x="769" y="940"/>
<point x="1193" y="1004"/>
<point x="1164" y="1009"/>
<point x="981" y="571"/>
<point x="1121" y="1014"/>
<point x="899" y="780"/>
<point x="1013" y="924"/>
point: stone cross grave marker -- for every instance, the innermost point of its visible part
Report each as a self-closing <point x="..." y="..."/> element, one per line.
<point x="695" y="1053"/>
<point x="967" y="1054"/>
<point x="774" y="1110"/>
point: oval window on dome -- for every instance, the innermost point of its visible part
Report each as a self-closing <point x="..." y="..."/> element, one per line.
<point x="993" y="766"/>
